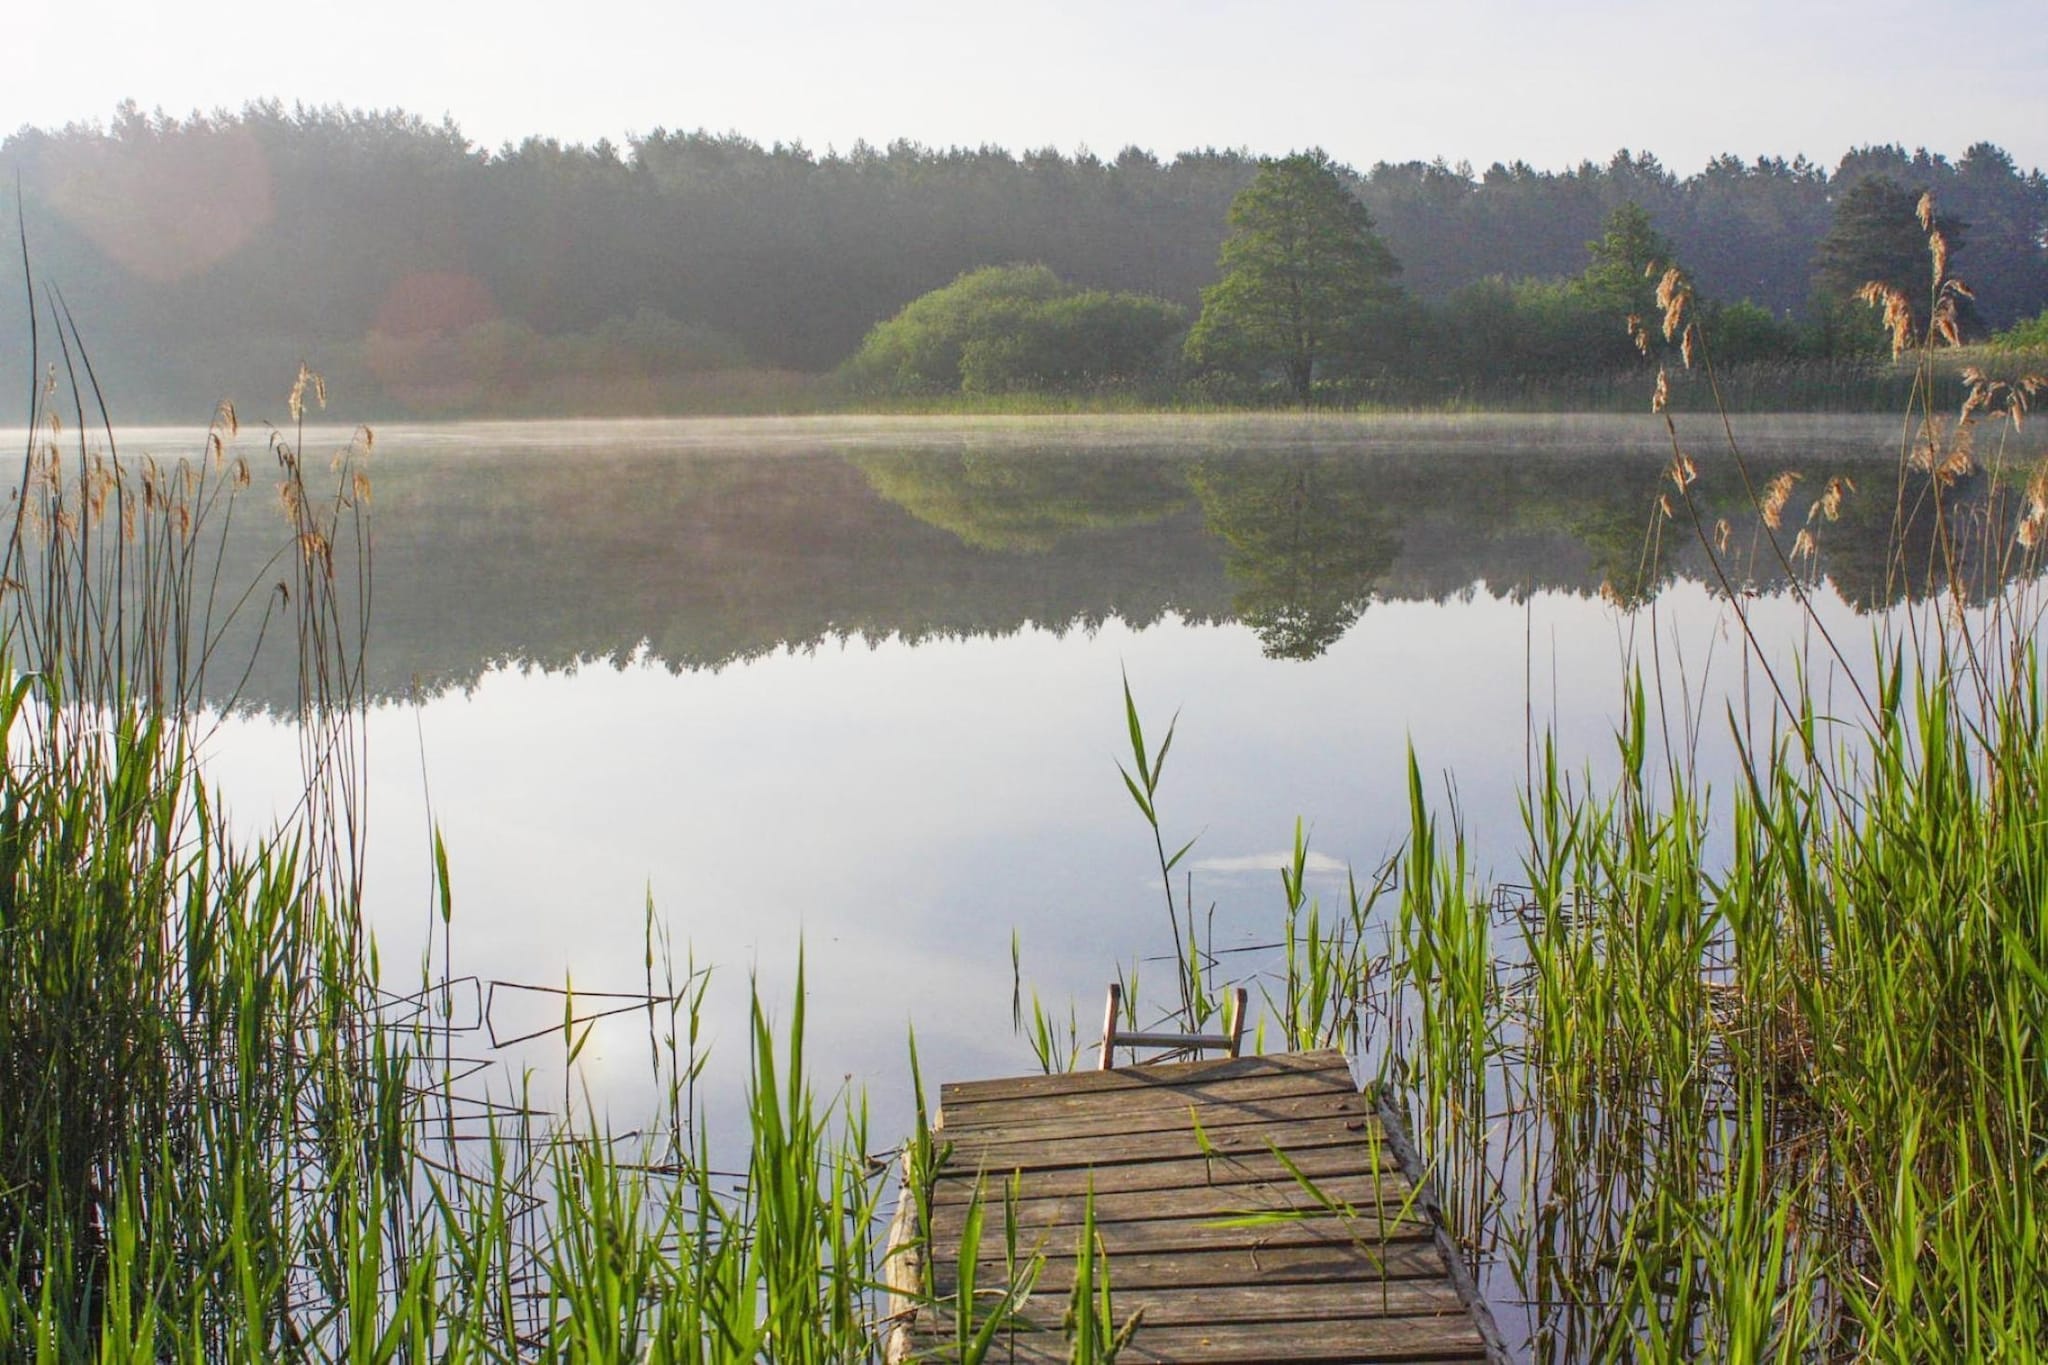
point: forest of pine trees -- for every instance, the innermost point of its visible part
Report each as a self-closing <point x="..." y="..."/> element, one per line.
<point x="205" y="257"/>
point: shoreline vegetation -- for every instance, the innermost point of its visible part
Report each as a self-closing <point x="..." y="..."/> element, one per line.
<point x="1845" y="385"/>
<point x="688" y="272"/>
<point x="1782" y="1104"/>
<point x="226" y="1136"/>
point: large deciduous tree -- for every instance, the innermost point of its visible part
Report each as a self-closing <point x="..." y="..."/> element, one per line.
<point x="1016" y="328"/>
<point x="1304" y="277"/>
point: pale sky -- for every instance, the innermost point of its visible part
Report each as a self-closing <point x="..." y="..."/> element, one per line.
<point x="1547" y="83"/>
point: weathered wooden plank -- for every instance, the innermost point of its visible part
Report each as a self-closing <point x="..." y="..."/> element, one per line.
<point x="959" y="1186"/>
<point x="1048" y="1351"/>
<point x="1375" y="1339"/>
<point x="1179" y="1075"/>
<point x="1337" y="1309"/>
<point x="1202" y="1202"/>
<point x="1132" y="1268"/>
<point x="1176" y="1235"/>
<point x="1162" y="1236"/>
<point x="1172" y="1307"/>
<point x="1290" y="1303"/>
<point x="1096" y="1106"/>
<point x="1362" y="1132"/>
<point x="902" y="1270"/>
<point x="1028" y="1120"/>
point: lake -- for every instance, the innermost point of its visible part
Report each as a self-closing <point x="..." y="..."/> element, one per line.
<point x="853" y="687"/>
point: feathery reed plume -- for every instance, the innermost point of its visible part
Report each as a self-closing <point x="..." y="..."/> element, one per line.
<point x="2000" y="399"/>
<point x="307" y="379"/>
<point x="1682" y="471"/>
<point x="2035" y="521"/>
<point x="1638" y="333"/>
<point x="1674" y="296"/>
<point x="1776" y="493"/>
<point x="1898" y="314"/>
<point x="1829" y="504"/>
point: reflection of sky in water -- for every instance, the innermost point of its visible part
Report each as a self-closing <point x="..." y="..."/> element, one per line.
<point x="901" y="810"/>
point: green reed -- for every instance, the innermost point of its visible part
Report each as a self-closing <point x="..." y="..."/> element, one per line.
<point x="1326" y="971"/>
<point x="221" y="1137"/>
<point x="1789" y="1107"/>
<point x="1759" y="1074"/>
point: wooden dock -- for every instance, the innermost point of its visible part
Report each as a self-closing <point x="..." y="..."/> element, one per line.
<point x="1177" y="1215"/>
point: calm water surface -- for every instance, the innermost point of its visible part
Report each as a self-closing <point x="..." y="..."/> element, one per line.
<point x="853" y="688"/>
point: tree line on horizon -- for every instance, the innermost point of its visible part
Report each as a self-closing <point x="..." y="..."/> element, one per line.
<point x="206" y="256"/>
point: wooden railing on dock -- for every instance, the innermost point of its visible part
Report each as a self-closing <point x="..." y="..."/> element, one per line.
<point x="1250" y="1209"/>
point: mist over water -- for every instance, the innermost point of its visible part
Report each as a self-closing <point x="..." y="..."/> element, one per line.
<point x="852" y="689"/>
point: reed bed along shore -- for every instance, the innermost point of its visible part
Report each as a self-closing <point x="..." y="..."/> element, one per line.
<point x="1749" y="1070"/>
<point x="1855" y="384"/>
<point x="1756" y="1072"/>
<point x="223" y="1135"/>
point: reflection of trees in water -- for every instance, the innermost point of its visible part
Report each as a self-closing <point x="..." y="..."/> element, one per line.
<point x="1893" y="543"/>
<point x="1308" y="538"/>
<point x="698" y="560"/>
<point x="1028" y="501"/>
